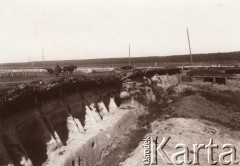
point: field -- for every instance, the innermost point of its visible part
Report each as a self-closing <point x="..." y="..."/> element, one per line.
<point x="13" y="78"/>
<point x="13" y="74"/>
<point x="8" y="83"/>
<point x="228" y="58"/>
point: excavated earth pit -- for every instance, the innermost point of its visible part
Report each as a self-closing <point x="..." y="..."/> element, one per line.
<point x="101" y="120"/>
<point x="39" y="119"/>
<point x="69" y="121"/>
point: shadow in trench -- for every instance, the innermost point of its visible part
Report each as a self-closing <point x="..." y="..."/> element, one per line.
<point x="34" y="137"/>
<point x="36" y="152"/>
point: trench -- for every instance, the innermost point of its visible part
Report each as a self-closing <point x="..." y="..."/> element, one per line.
<point x="123" y="146"/>
<point x="43" y="123"/>
<point x="126" y="144"/>
<point x="131" y="138"/>
<point x="79" y="124"/>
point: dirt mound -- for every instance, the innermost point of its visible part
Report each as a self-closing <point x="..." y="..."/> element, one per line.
<point x="165" y="81"/>
<point x="182" y="88"/>
<point x="35" y="88"/>
<point x="190" y="120"/>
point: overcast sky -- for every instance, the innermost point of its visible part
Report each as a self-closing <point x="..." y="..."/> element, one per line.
<point x="82" y="29"/>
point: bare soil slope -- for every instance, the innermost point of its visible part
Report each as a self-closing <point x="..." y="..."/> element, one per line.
<point x="209" y="112"/>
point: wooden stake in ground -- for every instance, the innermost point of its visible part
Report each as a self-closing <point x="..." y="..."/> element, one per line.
<point x="43" y="58"/>
<point x="189" y="47"/>
<point x="129" y="62"/>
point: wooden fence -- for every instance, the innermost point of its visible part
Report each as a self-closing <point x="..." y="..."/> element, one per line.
<point x="11" y="73"/>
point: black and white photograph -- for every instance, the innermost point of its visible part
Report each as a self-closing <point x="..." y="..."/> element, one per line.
<point x="119" y="82"/>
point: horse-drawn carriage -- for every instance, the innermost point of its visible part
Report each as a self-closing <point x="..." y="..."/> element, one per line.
<point x="61" y="70"/>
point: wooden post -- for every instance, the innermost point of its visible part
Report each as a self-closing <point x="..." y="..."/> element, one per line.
<point x="29" y="62"/>
<point x="190" y="51"/>
<point x="11" y="73"/>
<point x="129" y="62"/>
<point x="25" y="72"/>
<point x="43" y="58"/>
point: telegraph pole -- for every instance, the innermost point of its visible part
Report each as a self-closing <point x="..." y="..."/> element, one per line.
<point x="129" y="52"/>
<point x="43" y="58"/>
<point x="189" y="44"/>
<point x="29" y="62"/>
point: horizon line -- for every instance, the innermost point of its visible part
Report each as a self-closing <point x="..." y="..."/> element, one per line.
<point x="117" y="57"/>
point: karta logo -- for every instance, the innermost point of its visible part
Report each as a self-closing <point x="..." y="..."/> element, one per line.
<point x="153" y="152"/>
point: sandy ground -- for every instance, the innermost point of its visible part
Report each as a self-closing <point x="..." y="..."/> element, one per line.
<point x="206" y="111"/>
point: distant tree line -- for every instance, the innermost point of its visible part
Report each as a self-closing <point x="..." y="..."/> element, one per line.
<point x="207" y="58"/>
